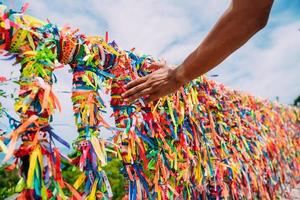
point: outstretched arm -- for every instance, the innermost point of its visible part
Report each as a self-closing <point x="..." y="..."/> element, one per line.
<point x="237" y="25"/>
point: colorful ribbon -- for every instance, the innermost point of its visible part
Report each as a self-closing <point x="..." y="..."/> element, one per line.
<point x="203" y="142"/>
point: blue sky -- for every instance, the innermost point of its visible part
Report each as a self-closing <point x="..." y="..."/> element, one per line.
<point x="267" y="66"/>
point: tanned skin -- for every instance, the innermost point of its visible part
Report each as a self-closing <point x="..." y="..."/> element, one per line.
<point x="241" y="20"/>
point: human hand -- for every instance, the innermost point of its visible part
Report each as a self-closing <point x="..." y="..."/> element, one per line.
<point x="160" y="83"/>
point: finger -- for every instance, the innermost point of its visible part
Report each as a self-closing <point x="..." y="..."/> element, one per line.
<point x="163" y="61"/>
<point x="136" y="82"/>
<point x="154" y="67"/>
<point x="141" y="94"/>
<point x="134" y="90"/>
<point x="157" y="65"/>
<point x="151" y="98"/>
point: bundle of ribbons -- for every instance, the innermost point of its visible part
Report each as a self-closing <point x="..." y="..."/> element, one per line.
<point x="203" y="142"/>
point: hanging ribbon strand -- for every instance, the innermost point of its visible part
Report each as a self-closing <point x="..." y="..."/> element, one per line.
<point x="37" y="158"/>
<point x="88" y="77"/>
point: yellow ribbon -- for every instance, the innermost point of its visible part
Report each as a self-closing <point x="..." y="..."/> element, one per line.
<point x="79" y="181"/>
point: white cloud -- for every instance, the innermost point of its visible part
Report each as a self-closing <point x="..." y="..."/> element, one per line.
<point x="267" y="72"/>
